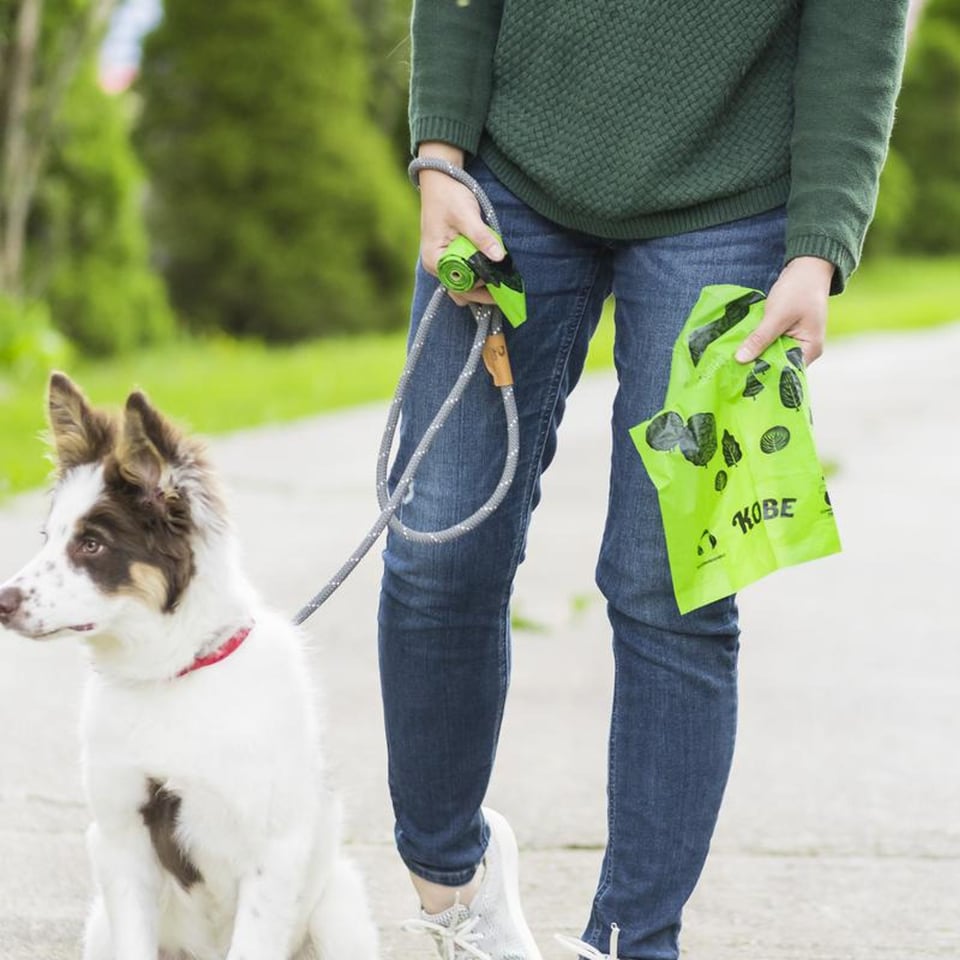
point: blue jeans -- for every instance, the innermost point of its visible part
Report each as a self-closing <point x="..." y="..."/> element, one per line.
<point x="444" y="610"/>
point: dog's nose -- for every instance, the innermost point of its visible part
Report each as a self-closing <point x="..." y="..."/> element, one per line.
<point x="10" y="600"/>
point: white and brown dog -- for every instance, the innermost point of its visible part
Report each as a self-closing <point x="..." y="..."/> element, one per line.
<point x="215" y="834"/>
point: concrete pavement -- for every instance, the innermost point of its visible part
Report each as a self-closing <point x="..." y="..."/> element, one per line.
<point x="840" y="836"/>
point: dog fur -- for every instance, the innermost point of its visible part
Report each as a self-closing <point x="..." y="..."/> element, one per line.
<point x="215" y="834"/>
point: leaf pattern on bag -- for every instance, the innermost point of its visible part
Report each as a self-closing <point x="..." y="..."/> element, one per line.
<point x="732" y="454"/>
<point x="699" y="441"/>
<point x="775" y="439"/>
<point x="753" y="387"/>
<point x="735" y="311"/>
<point x="791" y="390"/>
<point x="665" y="430"/>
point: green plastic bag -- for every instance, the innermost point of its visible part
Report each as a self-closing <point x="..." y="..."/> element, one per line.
<point x="731" y="454"/>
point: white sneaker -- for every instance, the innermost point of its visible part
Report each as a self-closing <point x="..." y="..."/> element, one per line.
<point x="492" y="926"/>
<point x="588" y="952"/>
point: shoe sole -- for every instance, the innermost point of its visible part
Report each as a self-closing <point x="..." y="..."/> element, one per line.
<point x="502" y="833"/>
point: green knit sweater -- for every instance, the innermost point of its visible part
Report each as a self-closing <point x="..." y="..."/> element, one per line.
<point x="631" y="119"/>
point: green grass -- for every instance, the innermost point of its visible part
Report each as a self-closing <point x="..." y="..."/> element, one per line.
<point x="219" y="385"/>
<point x="209" y="386"/>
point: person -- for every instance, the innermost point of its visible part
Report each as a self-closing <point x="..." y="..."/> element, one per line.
<point x="644" y="150"/>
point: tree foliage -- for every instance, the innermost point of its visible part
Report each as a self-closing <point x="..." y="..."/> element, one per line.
<point x="924" y="180"/>
<point x="87" y="251"/>
<point x="42" y="48"/>
<point x="385" y="26"/>
<point x="72" y="247"/>
<point x="277" y="207"/>
<point x="896" y="198"/>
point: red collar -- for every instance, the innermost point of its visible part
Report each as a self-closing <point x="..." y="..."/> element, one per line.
<point x="221" y="653"/>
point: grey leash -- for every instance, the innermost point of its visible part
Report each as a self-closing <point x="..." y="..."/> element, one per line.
<point x="489" y="324"/>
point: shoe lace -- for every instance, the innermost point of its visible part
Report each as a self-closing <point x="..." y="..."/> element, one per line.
<point x="455" y="940"/>
<point x="587" y="951"/>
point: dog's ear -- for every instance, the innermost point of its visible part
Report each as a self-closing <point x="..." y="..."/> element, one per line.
<point x="153" y="456"/>
<point x="167" y="467"/>
<point x="79" y="434"/>
<point x="149" y="447"/>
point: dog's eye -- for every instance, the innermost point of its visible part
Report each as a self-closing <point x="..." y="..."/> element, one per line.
<point x="90" y="546"/>
<point x="44" y="536"/>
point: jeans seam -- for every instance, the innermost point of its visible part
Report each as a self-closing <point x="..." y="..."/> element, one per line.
<point x="595" y="928"/>
<point x="547" y="414"/>
<point x="533" y="474"/>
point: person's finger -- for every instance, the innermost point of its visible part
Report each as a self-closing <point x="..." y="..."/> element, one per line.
<point x="482" y="237"/>
<point x="476" y="295"/>
<point x="463" y="222"/>
<point x="771" y="329"/>
<point x="755" y="343"/>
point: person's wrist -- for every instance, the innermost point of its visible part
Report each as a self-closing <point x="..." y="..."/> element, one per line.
<point x="815" y="271"/>
<point x="437" y="150"/>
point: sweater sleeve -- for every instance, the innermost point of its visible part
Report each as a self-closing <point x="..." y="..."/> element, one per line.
<point x="452" y="70"/>
<point x="849" y="65"/>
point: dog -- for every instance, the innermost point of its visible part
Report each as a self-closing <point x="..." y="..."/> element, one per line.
<point x="215" y="833"/>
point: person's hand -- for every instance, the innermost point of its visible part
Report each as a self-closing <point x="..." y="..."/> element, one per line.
<point x="448" y="208"/>
<point x="796" y="306"/>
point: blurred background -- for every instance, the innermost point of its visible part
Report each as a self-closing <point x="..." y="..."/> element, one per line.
<point x="210" y="201"/>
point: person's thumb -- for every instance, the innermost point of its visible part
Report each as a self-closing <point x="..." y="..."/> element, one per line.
<point x="755" y="343"/>
<point x="483" y="238"/>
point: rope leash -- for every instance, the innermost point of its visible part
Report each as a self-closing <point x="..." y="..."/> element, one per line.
<point x="487" y="340"/>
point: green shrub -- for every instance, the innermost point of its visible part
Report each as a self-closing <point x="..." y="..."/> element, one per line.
<point x="277" y="207"/>
<point x="927" y="132"/>
<point x="894" y="206"/>
<point x="28" y="341"/>
<point x="87" y="247"/>
<point x="386" y="33"/>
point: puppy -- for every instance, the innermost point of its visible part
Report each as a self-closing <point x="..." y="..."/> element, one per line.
<point x="215" y="834"/>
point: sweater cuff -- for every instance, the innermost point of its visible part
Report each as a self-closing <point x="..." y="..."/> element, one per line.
<point x="826" y="248"/>
<point x="466" y="136"/>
